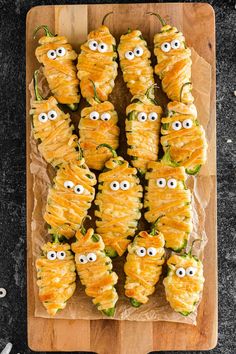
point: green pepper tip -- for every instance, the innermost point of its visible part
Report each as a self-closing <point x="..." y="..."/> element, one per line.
<point x="134" y="302"/>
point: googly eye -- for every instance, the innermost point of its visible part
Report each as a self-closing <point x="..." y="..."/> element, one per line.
<point x="141" y="251"/>
<point x="152" y="116"/>
<point x="61" y="51"/>
<point x="176" y="125"/>
<point x="172" y="183"/>
<point x="191" y="271"/>
<point x="138" y="51"/>
<point x="124" y="185"/>
<point x="83" y="259"/>
<point x="165" y="47"/>
<point x="175" y="44"/>
<point x="52" y="115"/>
<point x="79" y="189"/>
<point x="129" y="55"/>
<point x="68" y="184"/>
<point x="51" y="255"/>
<point x="106" y="116"/>
<point x="3" y="292"/>
<point x="51" y="54"/>
<point x="102" y="47"/>
<point x="115" y="185"/>
<point x="152" y="251"/>
<point x="91" y="257"/>
<point x="180" y="272"/>
<point x="142" y="117"/>
<point x="43" y="118"/>
<point x="61" y="255"/>
<point x="187" y="123"/>
<point x="94" y="115"/>
<point x="161" y="182"/>
<point x="93" y="45"/>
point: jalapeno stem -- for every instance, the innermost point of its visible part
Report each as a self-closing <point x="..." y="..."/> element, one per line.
<point x="55" y="238"/>
<point x="149" y="90"/>
<point x="114" y="154"/>
<point x="104" y="18"/>
<point x="36" y="90"/>
<point x="48" y="33"/>
<point x="95" y="92"/>
<point x="181" y="90"/>
<point x="153" y="229"/>
<point x="163" y="22"/>
<point x="82" y="228"/>
<point x="191" y="248"/>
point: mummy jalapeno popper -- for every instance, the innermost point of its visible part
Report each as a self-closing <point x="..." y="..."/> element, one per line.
<point x="69" y="198"/>
<point x="98" y="124"/>
<point x="119" y="204"/>
<point x="94" y="268"/>
<point x="135" y="62"/>
<point x="142" y="126"/>
<point x="183" y="137"/>
<point x="55" y="276"/>
<point x="168" y="203"/>
<point x="143" y="266"/>
<point x="53" y="129"/>
<point x="173" y="62"/>
<point x="184" y="282"/>
<point x="97" y="63"/>
<point x="57" y="57"/>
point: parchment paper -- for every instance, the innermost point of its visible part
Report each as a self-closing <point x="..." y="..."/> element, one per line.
<point x="157" y="309"/>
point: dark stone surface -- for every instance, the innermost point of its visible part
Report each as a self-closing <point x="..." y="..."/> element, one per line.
<point x="12" y="184"/>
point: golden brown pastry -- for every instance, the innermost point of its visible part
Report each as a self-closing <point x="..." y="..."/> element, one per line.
<point x="57" y="57"/>
<point x="184" y="282"/>
<point x="94" y="268"/>
<point x="173" y="63"/>
<point x="143" y="266"/>
<point x="168" y="203"/>
<point x="55" y="276"/>
<point x="135" y="62"/>
<point x="183" y="137"/>
<point x="98" y="124"/>
<point x="69" y="198"/>
<point x="97" y="63"/>
<point x="119" y="203"/>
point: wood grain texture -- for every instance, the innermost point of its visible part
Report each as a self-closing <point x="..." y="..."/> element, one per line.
<point x="124" y="337"/>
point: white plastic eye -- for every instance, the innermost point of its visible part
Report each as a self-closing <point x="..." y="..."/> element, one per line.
<point x="93" y="45"/>
<point x="124" y="185"/>
<point x="165" y="47"/>
<point x="141" y="251"/>
<point x="142" y="117"/>
<point x="153" y="116"/>
<point x="83" y="259"/>
<point x="190" y="271"/>
<point x="115" y="185"/>
<point x="43" y="118"/>
<point x="102" y="47"/>
<point x="106" y="116"/>
<point x="175" y="44"/>
<point x="172" y="183"/>
<point x="61" y="255"/>
<point x="161" y="182"/>
<point x="94" y="115"/>
<point x="187" y="123"/>
<point x="52" y="115"/>
<point x="138" y="51"/>
<point x="3" y="292"/>
<point x="91" y="257"/>
<point x="180" y="272"/>
<point x="68" y="184"/>
<point x="129" y="55"/>
<point x="79" y="189"/>
<point x="51" y="54"/>
<point x="176" y="125"/>
<point x="51" y="255"/>
<point x="152" y="251"/>
<point x="61" y="51"/>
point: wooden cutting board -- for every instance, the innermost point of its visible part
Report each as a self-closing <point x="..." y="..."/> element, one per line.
<point x="197" y="21"/>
